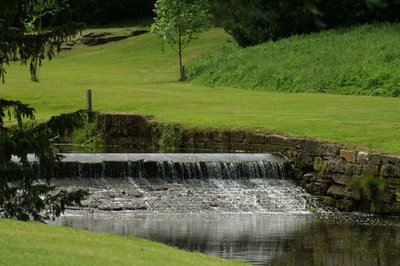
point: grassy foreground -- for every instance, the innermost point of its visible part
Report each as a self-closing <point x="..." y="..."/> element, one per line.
<point x="362" y="60"/>
<point x="133" y="75"/>
<point x="23" y="243"/>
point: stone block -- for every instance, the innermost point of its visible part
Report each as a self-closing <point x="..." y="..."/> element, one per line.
<point x="226" y="146"/>
<point x="240" y="147"/>
<point x="252" y="138"/>
<point x="370" y="170"/>
<point x="201" y="137"/>
<point x="311" y="146"/>
<point x="335" y="166"/>
<point x="123" y="125"/>
<point x="272" y="148"/>
<point x="323" y="178"/>
<point x="329" y="201"/>
<point x="364" y="206"/>
<point x="317" y="188"/>
<point x="356" y="194"/>
<point x="310" y="177"/>
<point x="277" y="140"/>
<point x="357" y="169"/>
<point x="378" y="207"/>
<point x="189" y="137"/>
<point x="345" y="204"/>
<point x="237" y="136"/>
<point x="387" y="170"/>
<point x="336" y="191"/>
<point x="199" y="145"/>
<point x="362" y="157"/>
<point x="298" y="143"/>
<point x="340" y="179"/>
<point x="329" y="149"/>
<point x="303" y="160"/>
<point x="375" y="159"/>
<point x="348" y="169"/>
<point x="385" y="195"/>
<point x="390" y="159"/>
<point x="255" y="147"/>
<point x="396" y="170"/>
<point x="216" y="136"/>
<point x="394" y="181"/>
<point x="394" y="186"/>
<point x="393" y="207"/>
<point x="349" y="156"/>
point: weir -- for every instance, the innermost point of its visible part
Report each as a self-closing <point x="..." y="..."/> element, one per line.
<point x="174" y="166"/>
<point x="236" y="206"/>
<point x="190" y="182"/>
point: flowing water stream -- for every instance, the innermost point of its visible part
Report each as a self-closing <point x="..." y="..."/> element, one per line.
<point x="236" y="206"/>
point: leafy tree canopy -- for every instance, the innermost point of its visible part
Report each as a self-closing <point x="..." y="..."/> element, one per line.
<point x="178" y="22"/>
<point x="18" y="41"/>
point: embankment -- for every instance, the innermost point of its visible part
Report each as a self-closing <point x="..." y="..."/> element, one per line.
<point x="349" y="180"/>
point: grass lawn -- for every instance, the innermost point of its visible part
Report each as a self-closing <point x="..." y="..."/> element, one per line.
<point x="361" y="60"/>
<point x="133" y="75"/>
<point x="23" y="243"/>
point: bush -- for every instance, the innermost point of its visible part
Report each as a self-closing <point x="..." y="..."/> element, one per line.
<point x="97" y="12"/>
<point x="258" y="21"/>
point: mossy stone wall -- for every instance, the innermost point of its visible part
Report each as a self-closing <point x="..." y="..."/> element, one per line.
<point x="349" y="180"/>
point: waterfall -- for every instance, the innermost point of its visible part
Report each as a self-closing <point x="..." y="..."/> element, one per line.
<point x="174" y="167"/>
<point x="190" y="182"/>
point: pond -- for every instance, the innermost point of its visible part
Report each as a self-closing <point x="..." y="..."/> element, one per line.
<point x="259" y="238"/>
<point x="235" y="206"/>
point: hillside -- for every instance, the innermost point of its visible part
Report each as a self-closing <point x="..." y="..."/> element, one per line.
<point x="363" y="60"/>
<point x="134" y="75"/>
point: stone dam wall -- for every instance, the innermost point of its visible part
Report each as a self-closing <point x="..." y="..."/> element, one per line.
<point x="349" y="180"/>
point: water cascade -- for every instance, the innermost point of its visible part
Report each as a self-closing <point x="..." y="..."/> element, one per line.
<point x="236" y="206"/>
<point x="174" y="166"/>
<point x="184" y="182"/>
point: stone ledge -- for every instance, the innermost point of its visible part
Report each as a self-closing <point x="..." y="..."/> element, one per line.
<point x="323" y="168"/>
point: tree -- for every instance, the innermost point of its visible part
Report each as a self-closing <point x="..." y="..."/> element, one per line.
<point x="252" y="22"/>
<point x="18" y="41"/>
<point x="178" y="22"/>
<point x="25" y="191"/>
<point x="37" y="14"/>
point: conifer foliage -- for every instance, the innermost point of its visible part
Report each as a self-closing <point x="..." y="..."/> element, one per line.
<point x="25" y="190"/>
<point x="17" y="39"/>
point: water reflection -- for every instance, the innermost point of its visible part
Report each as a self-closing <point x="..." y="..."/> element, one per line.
<point x="263" y="238"/>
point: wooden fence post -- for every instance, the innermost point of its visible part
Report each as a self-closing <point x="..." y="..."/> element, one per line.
<point x="88" y="104"/>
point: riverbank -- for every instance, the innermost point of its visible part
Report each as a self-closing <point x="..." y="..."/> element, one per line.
<point x="342" y="177"/>
<point x="133" y="75"/>
<point x="23" y="243"/>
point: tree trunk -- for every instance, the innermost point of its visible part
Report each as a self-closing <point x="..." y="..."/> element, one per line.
<point x="35" y="62"/>
<point x="181" y="67"/>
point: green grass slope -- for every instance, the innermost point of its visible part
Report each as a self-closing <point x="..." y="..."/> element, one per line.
<point x="23" y="243"/>
<point x="363" y="60"/>
<point x="133" y="75"/>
